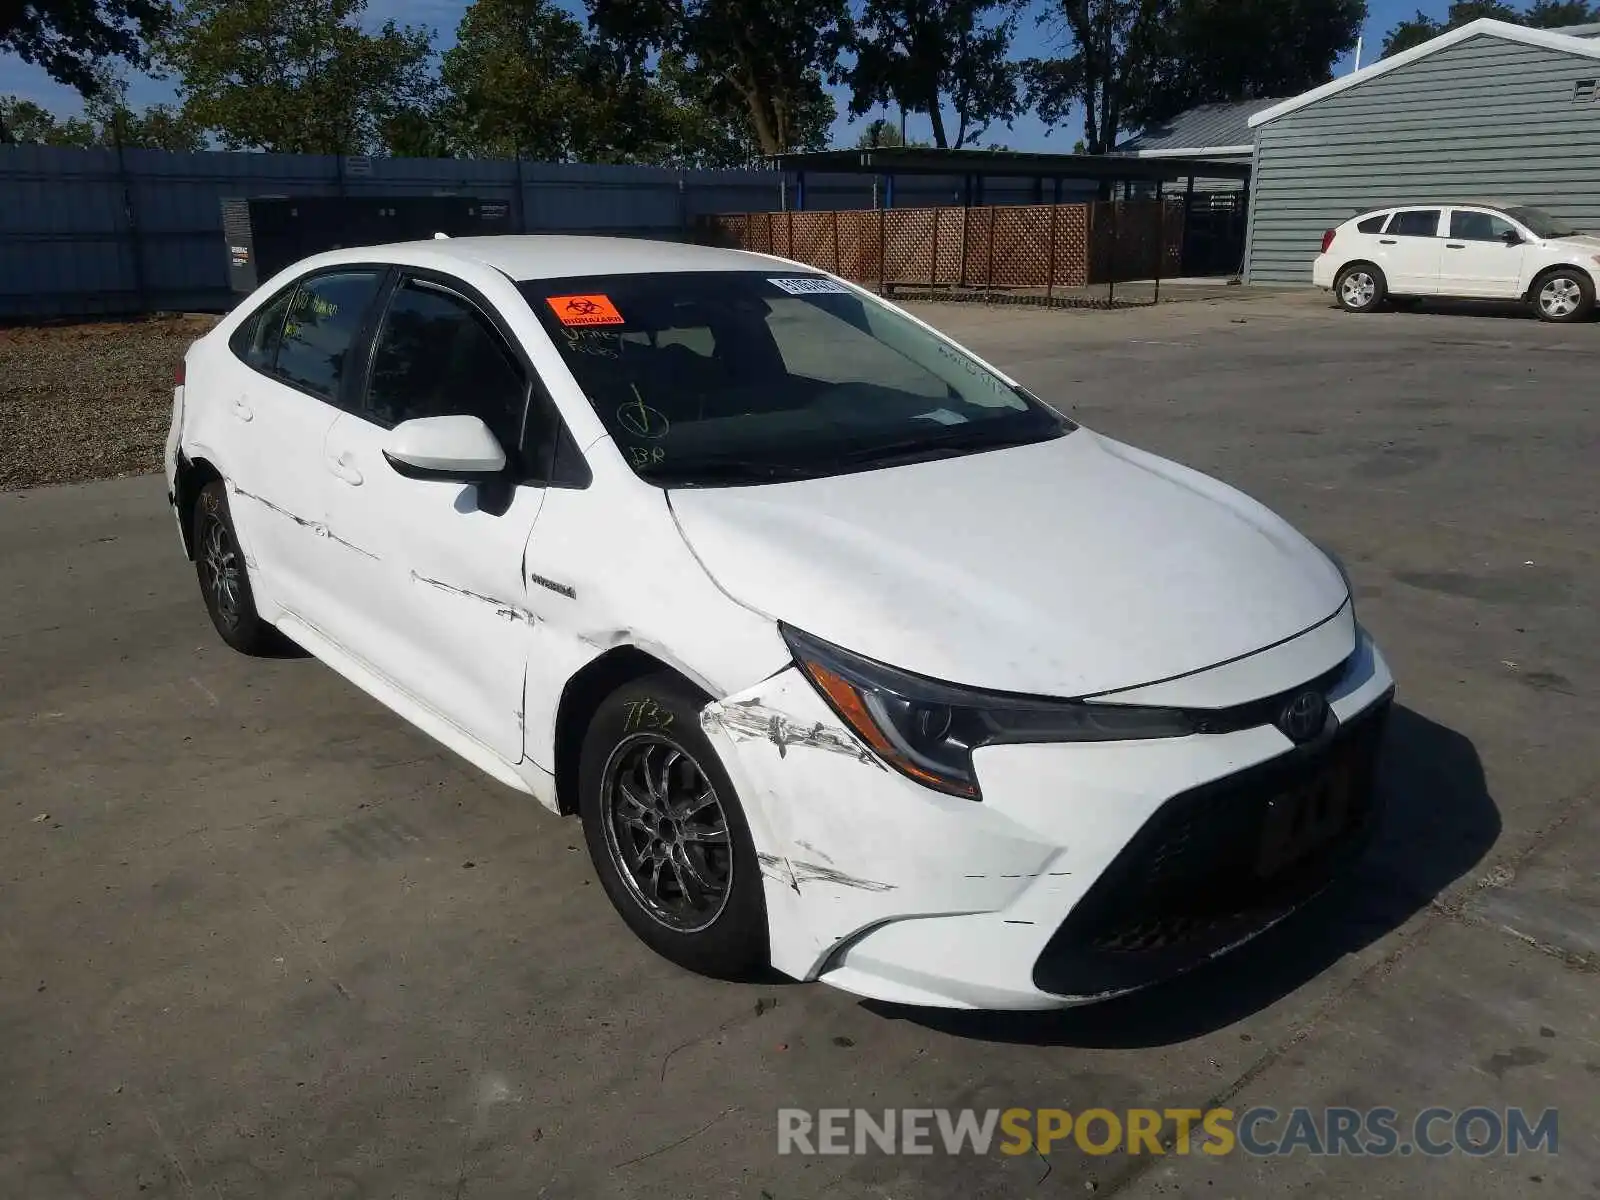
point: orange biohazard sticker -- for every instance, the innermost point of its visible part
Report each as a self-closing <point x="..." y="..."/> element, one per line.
<point x="584" y="310"/>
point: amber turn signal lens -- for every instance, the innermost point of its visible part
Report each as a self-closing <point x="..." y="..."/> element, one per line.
<point x="850" y="705"/>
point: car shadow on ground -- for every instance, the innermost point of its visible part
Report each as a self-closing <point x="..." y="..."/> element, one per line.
<point x="1438" y="823"/>
<point x="1436" y="306"/>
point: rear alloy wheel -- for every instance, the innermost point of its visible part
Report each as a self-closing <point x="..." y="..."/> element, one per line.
<point x="224" y="582"/>
<point x="1563" y="295"/>
<point x="1360" y="288"/>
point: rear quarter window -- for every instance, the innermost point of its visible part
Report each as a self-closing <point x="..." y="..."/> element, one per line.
<point x="1373" y="224"/>
<point x="255" y="342"/>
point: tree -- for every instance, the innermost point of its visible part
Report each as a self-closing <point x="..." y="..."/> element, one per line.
<point x="882" y="133"/>
<point x="296" y="76"/>
<point x="1208" y="51"/>
<point x="1132" y="63"/>
<point x="107" y="121"/>
<point x="25" y="122"/>
<point x="923" y="54"/>
<point x="525" y="79"/>
<point x="1542" y="14"/>
<point x="512" y="81"/>
<point x="1113" y="50"/>
<point x="752" y="62"/>
<point x="70" y="38"/>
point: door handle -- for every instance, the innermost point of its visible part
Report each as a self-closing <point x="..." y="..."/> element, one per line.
<point x="342" y="468"/>
<point x="1387" y="242"/>
<point x="1455" y="245"/>
<point x="243" y="411"/>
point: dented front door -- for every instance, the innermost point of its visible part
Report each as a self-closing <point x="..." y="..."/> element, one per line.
<point x="431" y="595"/>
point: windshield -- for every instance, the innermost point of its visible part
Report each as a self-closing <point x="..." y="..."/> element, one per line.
<point x="1541" y="223"/>
<point x="719" y="378"/>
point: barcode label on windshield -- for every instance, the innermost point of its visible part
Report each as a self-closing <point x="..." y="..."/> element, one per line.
<point x="809" y="286"/>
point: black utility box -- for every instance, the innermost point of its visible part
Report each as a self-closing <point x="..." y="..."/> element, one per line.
<point x="266" y="234"/>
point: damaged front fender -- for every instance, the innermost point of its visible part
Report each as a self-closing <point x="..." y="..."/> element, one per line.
<point x="843" y="842"/>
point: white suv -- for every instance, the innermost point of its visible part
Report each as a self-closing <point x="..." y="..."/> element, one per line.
<point x="1463" y="251"/>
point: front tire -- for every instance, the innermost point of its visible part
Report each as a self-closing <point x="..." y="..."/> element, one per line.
<point x="1360" y="288"/>
<point x="1563" y="295"/>
<point x="666" y="831"/>
<point x="224" y="581"/>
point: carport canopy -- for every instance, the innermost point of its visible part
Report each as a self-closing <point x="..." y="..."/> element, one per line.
<point x="974" y="166"/>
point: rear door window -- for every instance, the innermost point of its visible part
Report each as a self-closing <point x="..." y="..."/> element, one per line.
<point x="1416" y="222"/>
<point x="323" y="320"/>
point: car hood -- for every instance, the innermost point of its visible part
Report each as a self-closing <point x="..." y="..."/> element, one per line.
<point x="1063" y="568"/>
<point x="1577" y="243"/>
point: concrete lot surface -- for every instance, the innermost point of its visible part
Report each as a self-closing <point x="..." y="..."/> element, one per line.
<point x="260" y="938"/>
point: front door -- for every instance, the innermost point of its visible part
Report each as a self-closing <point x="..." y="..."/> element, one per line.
<point x="432" y="595"/>
<point x="1477" y="260"/>
<point x="1410" y="250"/>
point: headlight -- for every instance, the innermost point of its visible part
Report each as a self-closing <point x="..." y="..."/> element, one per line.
<point x="927" y="730"/>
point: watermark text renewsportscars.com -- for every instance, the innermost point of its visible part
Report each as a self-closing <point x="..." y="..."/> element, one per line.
<point x="1261" y="1131"/>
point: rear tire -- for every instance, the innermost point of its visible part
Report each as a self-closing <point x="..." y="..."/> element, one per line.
<point x="1360" y="288"/>
<point x="1563" y="295"/>
<point x="224" y="581"/>
<point x="667" y="834"/>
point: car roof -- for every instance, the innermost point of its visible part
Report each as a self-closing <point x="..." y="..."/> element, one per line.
<point x="553" y="256"/>
<point x="1463" y="203"/>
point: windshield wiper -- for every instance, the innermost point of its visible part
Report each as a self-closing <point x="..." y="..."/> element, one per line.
<point x="692" y="471"/>
<point x="950" y="443"/>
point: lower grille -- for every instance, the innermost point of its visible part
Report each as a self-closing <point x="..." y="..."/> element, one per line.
<point x="1219" y="863"/>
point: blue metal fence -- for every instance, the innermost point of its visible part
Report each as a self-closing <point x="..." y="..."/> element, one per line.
<point x="86" y="232"/>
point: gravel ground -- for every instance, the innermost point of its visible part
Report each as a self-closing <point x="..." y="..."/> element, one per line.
<point x="88" y="401"/>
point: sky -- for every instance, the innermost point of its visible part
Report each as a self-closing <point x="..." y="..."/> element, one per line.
<point x="1029" y="133"/>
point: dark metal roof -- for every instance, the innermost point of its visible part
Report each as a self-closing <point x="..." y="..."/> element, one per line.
<point x="1203" y="128"/>
<point x="1016" y="164"/>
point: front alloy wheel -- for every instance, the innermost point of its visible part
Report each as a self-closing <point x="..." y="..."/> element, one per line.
<point x="666" y="832"/>
<point x="1564" y="296"/>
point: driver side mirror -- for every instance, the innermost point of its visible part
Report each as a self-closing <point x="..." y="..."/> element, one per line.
<point x="455" y="449"/>
<point x="1511" y="237"/>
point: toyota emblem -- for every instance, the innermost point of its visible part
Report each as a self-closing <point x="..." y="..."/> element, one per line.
<point x="1303" y="717"/>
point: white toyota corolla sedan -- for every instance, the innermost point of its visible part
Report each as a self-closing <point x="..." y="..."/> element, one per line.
<point x="855" y="658"/>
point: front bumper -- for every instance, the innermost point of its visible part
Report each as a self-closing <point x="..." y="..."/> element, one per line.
<point x="1085" y="871"/>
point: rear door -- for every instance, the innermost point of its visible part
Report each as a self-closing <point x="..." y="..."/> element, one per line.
<point x="285" y="405"/>
<point x="1411" y="250"/>
<point x="1477" y="261"/>
<point x="1363" y="237"/>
